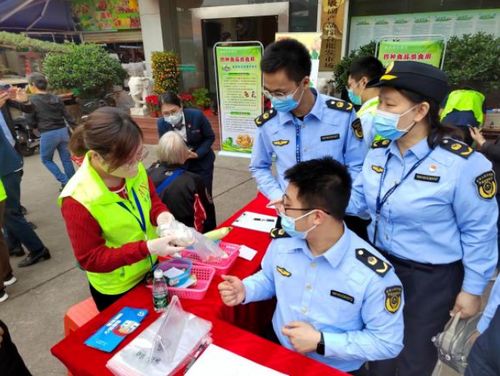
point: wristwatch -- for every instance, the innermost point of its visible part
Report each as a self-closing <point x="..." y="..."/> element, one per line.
<point x="320" y="348"/>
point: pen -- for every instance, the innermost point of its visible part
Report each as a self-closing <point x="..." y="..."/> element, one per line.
<point x="264" y="220"/>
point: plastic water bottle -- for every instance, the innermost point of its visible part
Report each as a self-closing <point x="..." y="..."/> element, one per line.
<point x="160" y="292"/>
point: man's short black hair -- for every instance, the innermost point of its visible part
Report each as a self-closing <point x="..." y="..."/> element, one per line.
<point x="368" y="66"/>
<point x="38" y="80"/>
<point x="323" y="184"/>
<point x="287" y="54"/>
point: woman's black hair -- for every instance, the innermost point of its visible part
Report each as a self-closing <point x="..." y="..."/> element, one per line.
<point x="438" y="130"/>
<point x="170" y="97"/>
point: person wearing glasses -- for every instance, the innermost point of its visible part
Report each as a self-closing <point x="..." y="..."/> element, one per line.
<point x="302" y="124"/>
<point x="434" y="214"/>
<point x="195" y="130"/>
<point x="338" y="300"/>
<point x="111" y="209"/>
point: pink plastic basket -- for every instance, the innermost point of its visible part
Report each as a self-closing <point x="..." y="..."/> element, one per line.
<point x="204" y="275"/>
<point x="221" y="266"/>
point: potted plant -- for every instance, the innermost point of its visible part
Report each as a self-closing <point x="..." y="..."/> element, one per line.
<point x="187" y="99"/>
<point x="201" y="99"/>
<point x="86" y="69"/>
<point x="153" y="104"/>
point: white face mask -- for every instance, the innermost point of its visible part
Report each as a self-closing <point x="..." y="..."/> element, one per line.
<point x="174" y="119"/>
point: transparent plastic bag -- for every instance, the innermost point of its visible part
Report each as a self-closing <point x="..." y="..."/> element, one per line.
<point x="165" y="346"/>
<point x="207" y="249"/>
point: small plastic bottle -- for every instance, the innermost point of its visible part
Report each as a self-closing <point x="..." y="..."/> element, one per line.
<point x="160" y="292"/>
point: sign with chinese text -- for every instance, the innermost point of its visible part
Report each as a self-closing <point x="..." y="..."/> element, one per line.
<point x="106" y="15"/>
<point x="332" y="26"/>
<point x="239" y="83"/>
<point x="429" y="52"/>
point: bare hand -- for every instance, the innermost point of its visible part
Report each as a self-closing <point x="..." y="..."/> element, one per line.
<point x="192" y="155"/>
<point x="231" y="290"/>
<point x="303" y="336"/>
<point x="20" y="95"/>
<point x="276" y="204"/>
<point x="467" y="304"/>
<point x="477" y="136"/>
<point x="3" y="98"/>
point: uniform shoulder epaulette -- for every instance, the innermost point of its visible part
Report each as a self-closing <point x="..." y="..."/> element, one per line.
<point x="337" y="104"/>
<point x="374" y="263"/>
<point x="265" y="116"/>
<point x="278" y="233"/>
<point x="380" y="144"/>
<point x="456" y="147"/>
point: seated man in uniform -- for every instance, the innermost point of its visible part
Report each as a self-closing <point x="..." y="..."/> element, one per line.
<point x="338" y="300"/>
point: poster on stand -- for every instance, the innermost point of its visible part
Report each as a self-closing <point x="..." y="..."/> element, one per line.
<point x="426" y="51"/>
<point x="239" y="94"/>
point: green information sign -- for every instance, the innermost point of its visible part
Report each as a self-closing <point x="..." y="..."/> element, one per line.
<point x="239" y="81"/>
<point x="429" y="52"/>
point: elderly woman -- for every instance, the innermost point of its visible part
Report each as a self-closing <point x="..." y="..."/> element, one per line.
<point x="184" y="192"/>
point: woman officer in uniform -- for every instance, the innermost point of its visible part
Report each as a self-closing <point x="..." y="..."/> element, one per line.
<point x="432" y="204"/>
<point x="195" y="129"/>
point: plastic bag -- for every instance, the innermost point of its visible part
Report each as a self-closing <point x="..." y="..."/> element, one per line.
<point x="165" y="346"/>
<point x="207" y="249"/>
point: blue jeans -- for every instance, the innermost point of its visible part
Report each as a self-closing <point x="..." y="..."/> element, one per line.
<point x="50" y="141"/>
<point x="17" y="229"/>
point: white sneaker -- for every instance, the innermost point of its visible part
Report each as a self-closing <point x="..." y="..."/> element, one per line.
<point x="3" y="296"/>
<point x="10" y="281"/>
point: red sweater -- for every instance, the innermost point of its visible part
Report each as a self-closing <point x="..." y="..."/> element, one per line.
<point x="88" y="244"/>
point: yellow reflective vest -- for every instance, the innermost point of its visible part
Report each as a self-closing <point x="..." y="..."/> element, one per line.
<point x="465" y="100"/>
<point x="120" y="220"/>
<point x="3" y="195"/>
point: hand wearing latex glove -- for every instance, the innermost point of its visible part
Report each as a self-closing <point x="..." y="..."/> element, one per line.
<point x="162" y="246"/>
<point x="165" y="219"/>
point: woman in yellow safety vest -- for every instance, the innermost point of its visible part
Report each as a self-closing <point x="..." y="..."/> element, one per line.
<point x="111" y="208"/>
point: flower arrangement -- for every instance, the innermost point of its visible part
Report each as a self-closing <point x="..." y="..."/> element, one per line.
<point x="153" y="104"/>
<point x="164" y="65"/>
<point x="187" y="99"/>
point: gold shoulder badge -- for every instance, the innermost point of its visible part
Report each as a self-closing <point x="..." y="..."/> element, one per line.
<point x="283" y="271"/>
<point x="377" y="169"/>
<point x="380" y="144"/>
<point x="374" y="263"/>
<point x="486" y="185"/>
<point x="393" y="298"/>
<point x="337" y="104"/>
<point x="278" y="233"/>
<point x="268" y="114"/>
<point x="281" y="142"/>
<point x="357" y="128"/>
<point x="457" y="147"/>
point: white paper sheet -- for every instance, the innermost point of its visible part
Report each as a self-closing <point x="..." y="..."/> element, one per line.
<point x="247" y="253"/>
<point x="255" y="221"/>
<point x="217" y="361"/>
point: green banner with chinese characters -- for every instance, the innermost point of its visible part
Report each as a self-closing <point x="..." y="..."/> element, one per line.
<point x="239" y="82"/>
<point x="429" y="51"/>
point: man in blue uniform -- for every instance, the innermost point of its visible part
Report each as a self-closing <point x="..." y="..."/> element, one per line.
<point x="338" y="300"/>
<point x="302" y="124"/>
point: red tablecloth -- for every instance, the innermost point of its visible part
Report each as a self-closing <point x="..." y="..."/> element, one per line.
<point x="82" y="360"/>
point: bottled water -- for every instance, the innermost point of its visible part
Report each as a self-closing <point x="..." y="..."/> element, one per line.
<point x="160" y="291"/>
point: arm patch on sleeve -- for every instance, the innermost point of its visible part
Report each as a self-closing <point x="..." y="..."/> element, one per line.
<point x="486" y="185"/>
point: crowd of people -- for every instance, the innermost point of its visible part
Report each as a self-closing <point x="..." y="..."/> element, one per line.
<point x="387" y="217"/>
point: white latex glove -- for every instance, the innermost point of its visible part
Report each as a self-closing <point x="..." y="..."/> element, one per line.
<point x="163" y="246"/>
<point x="165" y="219"/>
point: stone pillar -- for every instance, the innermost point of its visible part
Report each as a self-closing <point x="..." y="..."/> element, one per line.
<point x="158" y="26"/>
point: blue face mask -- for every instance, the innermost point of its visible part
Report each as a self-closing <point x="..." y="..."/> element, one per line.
<point x="354" y="98"/>
<point x="288" y="224"/>
<point x="386" y="124"/>
<point x="288" y="103"/>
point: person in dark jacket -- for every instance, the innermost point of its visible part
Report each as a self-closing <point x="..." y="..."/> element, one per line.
<point x="50" y="117"/>
<point x="184" y="192"/>
<point x="11" y="362"/>
<point x="491" y="150"/>
<point x="196" y="131"/>
<point x="17" y="229"/>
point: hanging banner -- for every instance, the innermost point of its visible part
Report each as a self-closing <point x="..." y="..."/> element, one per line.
<point x="332" y="25"/>
<point x="312" y="41"/>
<point x="429" y="52"/>
<point x="239" y="90"/>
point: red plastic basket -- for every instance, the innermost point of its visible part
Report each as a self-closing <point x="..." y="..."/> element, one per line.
<point x="204" y="275"/>
<point x="221" y="266"/>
